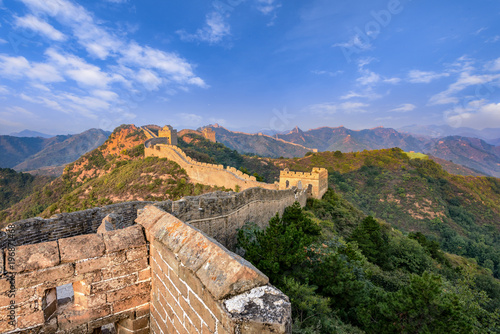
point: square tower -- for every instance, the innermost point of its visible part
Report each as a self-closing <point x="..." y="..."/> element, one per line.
<point x="170" y="133"/>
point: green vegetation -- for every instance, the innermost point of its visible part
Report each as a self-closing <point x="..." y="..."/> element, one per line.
<point x="413" y="155"/>
<point x="460" y="213"/>
<point x="15" y="186"/>
<point x="349" y="273"/>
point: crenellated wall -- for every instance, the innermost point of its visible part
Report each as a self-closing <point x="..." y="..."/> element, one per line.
<point x="162" y="275"/>
<point x="210" y="174"/>
<point x="317" y="179"/>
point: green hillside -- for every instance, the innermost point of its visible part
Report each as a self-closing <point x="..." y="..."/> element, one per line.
<point x="15" y="186"/>
<point x="414" y="195"/>
<point x="346" y="272"/>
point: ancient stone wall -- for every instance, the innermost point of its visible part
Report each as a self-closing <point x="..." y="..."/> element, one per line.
<point x="198" y="286"/>
<point x="65" y="225"/>
<point x="110" y="277"/>
<point x="318" y="179"/>
<point x="210" y="174"/>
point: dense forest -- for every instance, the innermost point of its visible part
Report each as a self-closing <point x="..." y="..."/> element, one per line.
<point x="346" y="272"/>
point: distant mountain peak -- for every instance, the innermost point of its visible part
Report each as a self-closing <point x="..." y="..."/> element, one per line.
<point x="30" y="133"/>
<point x="296" y="129"/>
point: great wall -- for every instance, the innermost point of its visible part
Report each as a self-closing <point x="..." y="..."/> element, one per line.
<point x="150" y="267"/>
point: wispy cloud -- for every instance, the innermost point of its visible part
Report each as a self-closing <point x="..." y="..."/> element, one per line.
<point x="406" y="107"/>
<point x="417" y="76"/>
<point x="38" y="25"/>
<point x="328" y="73"/>
<point x="477" y="114"/>
<point x="215" y="30"/>
<point x="3" y="41"/>
<point x="267" y="7"/>
<point x="330" y="108"/>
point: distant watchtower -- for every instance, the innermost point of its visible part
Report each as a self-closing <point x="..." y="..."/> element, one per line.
<point x="170" y="133"/>
<point x="316" y="181"/>
<point x="209" y="134"/>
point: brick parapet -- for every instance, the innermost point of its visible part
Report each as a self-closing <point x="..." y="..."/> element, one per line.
<point x="110" y="283"/>
<point x="193" y="277"/>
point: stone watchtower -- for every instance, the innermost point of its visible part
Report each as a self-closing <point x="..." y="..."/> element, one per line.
<point x="170" y="133"/>
<point x="209" y="134"/>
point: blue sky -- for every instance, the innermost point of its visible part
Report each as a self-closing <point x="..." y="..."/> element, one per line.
<point x="67" y="66"/>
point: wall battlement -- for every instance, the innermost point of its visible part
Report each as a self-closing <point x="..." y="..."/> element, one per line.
<point x="161" y="275"/>
<point x="205" y="173"/>
<point x="316" y="181"/>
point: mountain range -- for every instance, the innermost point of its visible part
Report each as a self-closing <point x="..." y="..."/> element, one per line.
<point x="33" y="153"/>
<point x="474" y="153"/>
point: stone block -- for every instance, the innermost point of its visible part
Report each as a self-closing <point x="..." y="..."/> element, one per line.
<point x="149" y="216"/>
<point x="81" y="247"/>
<point x="172" y="232"/>
<point x="108" y="260"/>
<point x="137" y="253"/>
<point x="132" y="290"/>
<point x="144" y="274"/>
<point x="75" y="315"/>
<point x="135" y="324"/>
<point x="124" y="269"/>
<point x="195" y="252"/>
<point x="126" y="238"/>
<point x="130" y="303"/>
<point x="142" y="311"/>
<point x="33" y="278"/>
<point x="225" y="274"/>
<point x="90" y="301"/>
<point x="34" y="257"/>
<point x="113" y="284"/>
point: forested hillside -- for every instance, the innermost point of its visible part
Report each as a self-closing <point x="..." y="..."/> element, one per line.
<point x="414" y="195"/>
<point x="346" y="272"/>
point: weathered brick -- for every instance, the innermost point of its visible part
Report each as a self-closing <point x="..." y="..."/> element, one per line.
<point x="127" y="292"/>
<point x="81" y="247"/>
<point x="126" y="304"/>
<point x="142" y="311"/>
<point x="135" y="324"/>
<point x="110" y="319"/>
<point x="113" y="284"/>
<point x="40" y="276"/>
<point x="196" y="251"/>
<point x="30" y="319"/>
<point x="105" y="261"/>
<point x="189" y="312"/>
<point x="202" y="311"/>
<point x="75" y="315"/>
<point x="124" y="268"/>
<point x="126" y="238"/>
<point x="165" y="257"/>
<point x="179" y="327"/>
<point x="181" y="286"/>
<point x="90" y="301"/>
<point x="33" y="257"/>
<point x="137" y="253"/>
<point x="144" y="274"/>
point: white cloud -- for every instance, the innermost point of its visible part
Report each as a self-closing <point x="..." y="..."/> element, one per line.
<point x="493" y="39"/>
<point x="190" y="119"/>
<point x="216" y="28"/>
<point x="355" y="43"/>
<point x="20" y="67"/>
<point x="494" y="66"/>
<point x="43" y="28"/>
<point x="364" y="95"/>
<point x="149" y="79"/>
<point x="416" y="76"/>
<point x="328" y="73"/>
<point x="369" y="78"/>
<point x="330" y="108"/>
<point x="266" y="7"/>
<point x="484" y="116"/>
<point x="18" y="111"/>
<point x="3" y="41"/>
<point x="4" y="90"/>
<point x="406" y="107"/>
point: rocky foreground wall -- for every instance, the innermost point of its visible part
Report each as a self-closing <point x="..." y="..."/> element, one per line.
<point x="198" y="286"/>
<point x="109" y="273"/>
<point x="160" y="276"/>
